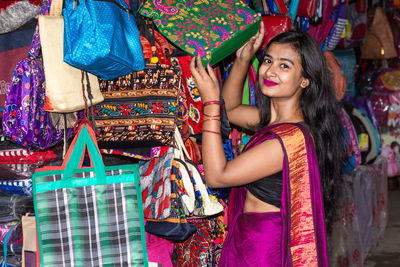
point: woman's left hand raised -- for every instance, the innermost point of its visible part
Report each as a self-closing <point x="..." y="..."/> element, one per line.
<point x="206" y="80"/>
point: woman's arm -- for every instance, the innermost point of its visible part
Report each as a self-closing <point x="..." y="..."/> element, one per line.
<point x="242" y="115"/>
<point x="256" y="163"/>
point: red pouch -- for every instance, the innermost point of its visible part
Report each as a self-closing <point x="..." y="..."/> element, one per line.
<point x="274" y="23"/>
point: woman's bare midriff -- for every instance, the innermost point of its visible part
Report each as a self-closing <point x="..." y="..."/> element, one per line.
<point x="253" y="204"/>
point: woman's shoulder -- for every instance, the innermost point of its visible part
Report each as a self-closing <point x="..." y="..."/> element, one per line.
<point x="286" y="127"/>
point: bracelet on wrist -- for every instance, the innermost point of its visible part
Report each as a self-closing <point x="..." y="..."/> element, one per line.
<point x="211" y="116"/>
<point x="212" y="119"/>
<point x="214" y="132"/>
<point x="213" y="102"/>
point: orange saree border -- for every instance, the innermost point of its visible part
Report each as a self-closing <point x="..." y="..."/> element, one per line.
<point x="302" y="233"/>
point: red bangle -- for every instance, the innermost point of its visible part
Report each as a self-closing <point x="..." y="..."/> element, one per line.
<point x="208" y="131"/>
<point x="211" y="116"/>
<point x="213" y="102"/>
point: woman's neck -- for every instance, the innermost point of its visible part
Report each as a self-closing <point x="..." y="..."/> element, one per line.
<point x="285" y="112"/>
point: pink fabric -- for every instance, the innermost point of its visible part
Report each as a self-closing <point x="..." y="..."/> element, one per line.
<point x="159" y="250"/>
<point x="249" y="244"/>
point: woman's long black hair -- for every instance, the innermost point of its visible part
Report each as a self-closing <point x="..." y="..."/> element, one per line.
<point x="321" y="113"/>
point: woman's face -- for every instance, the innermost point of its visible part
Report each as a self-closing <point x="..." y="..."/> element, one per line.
<point x="280" y="72"/>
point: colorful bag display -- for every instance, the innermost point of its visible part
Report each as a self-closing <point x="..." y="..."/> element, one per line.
<point x="24" y="120"/>
<point x="192" y="96"/>
<point x="176" y="226"/>
<point x="197" y="199"/>
<point x="63" y="82"/>
<point x="139" y="109"/>
<point x="214" y="29"/>
<point x="91" y="44"/>
<point x="203" y="248"/>
<point x="356" y="26"/>
<point x="89" y="214"/>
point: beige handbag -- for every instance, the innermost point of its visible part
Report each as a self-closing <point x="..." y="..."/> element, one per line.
<point x="63" y="84"/>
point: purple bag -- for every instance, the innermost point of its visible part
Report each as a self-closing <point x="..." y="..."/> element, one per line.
<point x="24" y="120"/>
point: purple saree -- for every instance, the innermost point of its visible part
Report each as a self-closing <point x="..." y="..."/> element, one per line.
<point x="295" y="236"/>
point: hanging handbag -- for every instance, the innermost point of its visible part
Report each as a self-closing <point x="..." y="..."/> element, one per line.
<point x="307" y="8"/>
<point x="63" y="82"/>
<point x="139" y="109"/>
<point x="101" y="37"/>
<point x="203" y="248"/>
<point x="274" y="23"/>
<point x="356" y="26"/>
<point x="156" y="185"/>
<point x="24" y="119"/>
<point x="176" y="226"/>
<point x="201" y="202"/>
<point x="214" y="29"/>
<point x="90" y="214"/>
<point x="379" y="42"/>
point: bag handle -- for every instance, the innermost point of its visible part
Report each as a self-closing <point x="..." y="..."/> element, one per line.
<point x="56" y="8"/>
<point x="180" y="145"/>
<point x="84" y="139"/>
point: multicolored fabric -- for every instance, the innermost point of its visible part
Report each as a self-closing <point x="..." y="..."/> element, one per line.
<point x="299" y="226"/>
<point x="176" y="226"/>
<point x="156" y="185"/>
<point x="24" y="120"/>
<point x="183" y="107"/>
<point x="139" y="109"/>
<point x="89" y="216"/>
<point x="214" y="29"/>
<point x="204" y="247"/>
<point x="195" y="105"/>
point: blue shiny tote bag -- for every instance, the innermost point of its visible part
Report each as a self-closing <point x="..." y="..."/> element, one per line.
<point x="101" y="37"/>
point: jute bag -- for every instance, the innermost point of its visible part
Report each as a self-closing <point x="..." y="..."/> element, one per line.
<point x="63" y="82"/>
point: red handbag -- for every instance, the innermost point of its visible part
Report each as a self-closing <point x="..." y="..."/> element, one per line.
<point x="307" y="8"/>
<point x="274" y="23"/>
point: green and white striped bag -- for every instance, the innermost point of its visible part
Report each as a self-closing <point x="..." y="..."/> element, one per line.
<point x="89" y="216"/>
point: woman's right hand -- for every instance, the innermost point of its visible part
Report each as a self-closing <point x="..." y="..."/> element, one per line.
<point x="248" y="50"/>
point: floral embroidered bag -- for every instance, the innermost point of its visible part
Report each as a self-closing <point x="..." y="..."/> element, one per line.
<point x="213" y="28"/>
<point x="141" y="111"/>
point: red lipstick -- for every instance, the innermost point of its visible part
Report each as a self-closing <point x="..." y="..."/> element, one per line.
<point x="269" y="83"/>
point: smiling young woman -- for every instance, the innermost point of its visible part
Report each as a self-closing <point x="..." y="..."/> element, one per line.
<point x="279" y="216"/>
